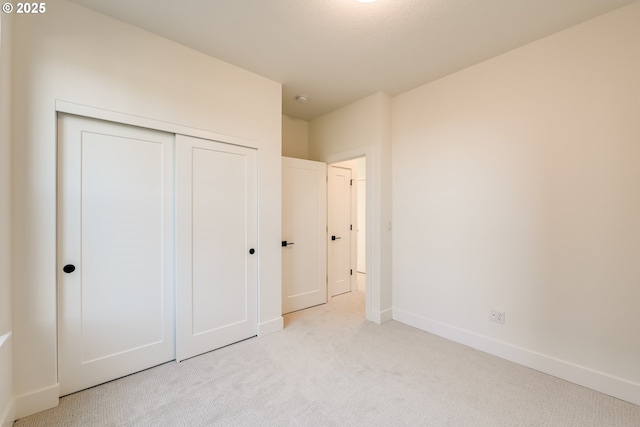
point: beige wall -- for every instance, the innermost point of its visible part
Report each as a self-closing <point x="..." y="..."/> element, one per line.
<point x="364" y="129"/>
<point x="516" y="187"/>
<point x="76" y="55"/>
<point x="6" y="350"/>
<point x="295" y="138"/>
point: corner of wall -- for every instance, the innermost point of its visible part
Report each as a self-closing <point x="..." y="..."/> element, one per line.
<point x="363" y="128"/>
<point x="271" y="326"/>
<point x="380" y="317"/>
<point x="295" y="138"/>
<point x="386" y="276"/>
<point x="7" y="400"/>
<point x="37" y="401"/>
<point x="7" y="419"/>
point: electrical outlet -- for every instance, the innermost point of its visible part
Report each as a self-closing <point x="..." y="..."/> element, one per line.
<point x="496" y="316"/>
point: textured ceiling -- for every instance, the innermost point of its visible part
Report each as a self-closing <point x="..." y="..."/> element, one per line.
<point x="338" y="51"/>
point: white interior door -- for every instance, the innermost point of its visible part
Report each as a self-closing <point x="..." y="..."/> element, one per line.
<point x="115" y="251"/>
<point x="339" y="227"/>
<point x="216" y="243"/>
<point x="304" y="215"/>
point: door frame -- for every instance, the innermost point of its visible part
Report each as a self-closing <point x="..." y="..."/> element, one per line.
<point x="270" y="318"/>
<point x="353" y="219"/>
<point x="65" y="107"/>
<point x="373" y="227"/>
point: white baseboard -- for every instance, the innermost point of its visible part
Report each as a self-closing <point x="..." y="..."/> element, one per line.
<point x="7" y="400"/>
<point x="271" y="326"/>
<point x="595" y="380"/>
<point x="37" y="401"/>
<point x="381" y="317"/>
<point x="386" y="315"/>
<point x="9" y="415"/>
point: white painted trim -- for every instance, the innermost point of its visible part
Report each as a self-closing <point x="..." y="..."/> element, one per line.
<point x="381" y="317"/>
<point x="67" y="107"/>
<point x="373" y="290"/>
<point x="386" y="315"/>
<point x="4" y="338"/>
<point x="351" y="166"/>
<point x="144" y="122"/>
<point x="590" y="378"/>
<point x="344" y="156"/>
<point x="271" y="326"/>
<point x="37" y="401"/>
<point x="9" y="416"/>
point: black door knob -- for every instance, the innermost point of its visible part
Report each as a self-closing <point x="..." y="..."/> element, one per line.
<point x="252" y="251"/>
<point x="69" y="268"/>
<point x="335" y="238"/>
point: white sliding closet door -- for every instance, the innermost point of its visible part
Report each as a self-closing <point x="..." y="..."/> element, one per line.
<point x="216" y="245"/>
<point x="115" y="251"/>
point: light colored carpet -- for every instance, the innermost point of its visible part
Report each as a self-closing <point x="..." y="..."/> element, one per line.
<point x="330" y="367"/>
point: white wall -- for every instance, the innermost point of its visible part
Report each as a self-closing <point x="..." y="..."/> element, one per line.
<point x="6" y="350"/>
<point x="516" y="187"/>
<point x="364" y="128"/>
<point x="295" y="138"/>
<point x="76" y="55"/>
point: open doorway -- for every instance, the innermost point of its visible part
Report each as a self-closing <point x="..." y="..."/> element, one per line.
<point x="346" y="217"/>
<point x="310" y="242"/>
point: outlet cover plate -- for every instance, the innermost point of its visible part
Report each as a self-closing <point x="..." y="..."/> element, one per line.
<point x="496" y="316"/>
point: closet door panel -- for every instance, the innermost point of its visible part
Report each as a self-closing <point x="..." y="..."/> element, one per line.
<point x="216" y="244"/>
<point x="115" y="251"/>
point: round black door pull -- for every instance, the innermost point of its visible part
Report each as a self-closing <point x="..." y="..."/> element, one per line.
<point x="69" y="268"/>
<point x="252" y="251"/>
